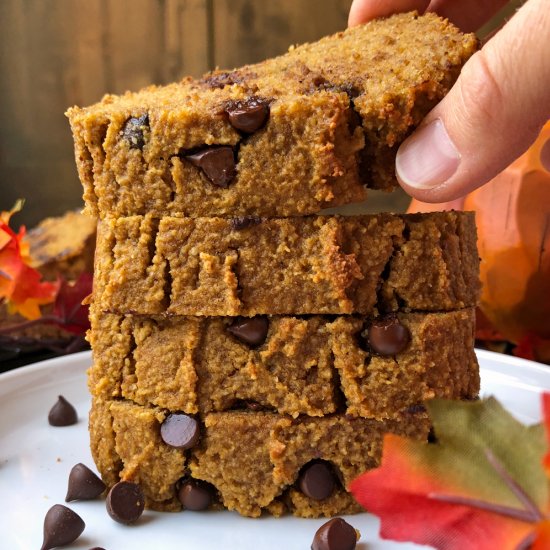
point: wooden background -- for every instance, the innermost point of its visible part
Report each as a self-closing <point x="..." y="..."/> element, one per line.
<point x="58" y="53"/>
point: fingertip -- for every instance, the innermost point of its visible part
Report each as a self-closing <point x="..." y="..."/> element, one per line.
<point x="362" y="11"/>
<point x="452" y="196"/>
<point x="358" y="13"/>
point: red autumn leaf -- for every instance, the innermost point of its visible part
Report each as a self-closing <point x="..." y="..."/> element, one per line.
<point x="480" y="487"/>
<point x="70" y="313"/>
<point x="21" y="286"/>
<point x="542" y="540"/>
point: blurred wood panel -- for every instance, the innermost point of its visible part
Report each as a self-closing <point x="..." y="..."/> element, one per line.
<point x="246" y="31"/>
<point x="59" y="53"/>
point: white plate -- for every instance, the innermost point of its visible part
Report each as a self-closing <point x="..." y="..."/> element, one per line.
<point x="35" y="460"/>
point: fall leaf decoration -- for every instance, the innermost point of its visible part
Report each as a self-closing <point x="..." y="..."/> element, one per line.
<point x="513" y="219"/>
<point x="24" y="292"/>
<point x="482" y="485"/>
<point x="21" y="286"/>
<point x="69" y="313"/>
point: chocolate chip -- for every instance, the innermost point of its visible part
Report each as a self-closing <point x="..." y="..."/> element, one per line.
<point x="195" y="495"/>
<point x="220" y="80"/>
<point x="416" y="408"/>
<point x="61" y="526"/>
<point x="180" y="430"/>
<point x="243" y="222"/>
<point x="248" y="115"/>
<point x="388" y="336"/>
<point x="317" y="480"/>
<point x="83" y="484"/>
<point x="125" y="502"/>
<point x="432" y="438"/>
<point x="336" y="534"/>
<point x="250" y="330"/>
<point x="133" y="131"/>
<point x="62" y="413"/>
<point x="217" y="164"/>
<point x="247" y="404"/>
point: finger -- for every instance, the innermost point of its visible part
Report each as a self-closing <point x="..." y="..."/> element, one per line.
<point x="491" y="115"/>
<point x="362" y="11"/>
<point x="467" y="15"/>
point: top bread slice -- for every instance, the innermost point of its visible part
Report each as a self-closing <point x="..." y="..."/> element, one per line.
<point x="285" y="137"/>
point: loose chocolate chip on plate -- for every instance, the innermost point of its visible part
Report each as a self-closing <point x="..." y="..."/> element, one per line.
<point x="251" y="331"/>
<point x="125" y="502"/>
<point x="317" y="480"/>
<point x="62" y="413"/>
<point x="83" y="484"/>
<point x="195" y="495"/>
<point x="249" y="115"/>
<point x="388" y="336"/>
<point x="61" y="526"/>
<point x="336" y="534"/>
<point x="180" y="430"/>
<point x="217" y="163"/>
<point x="133" y="131"/>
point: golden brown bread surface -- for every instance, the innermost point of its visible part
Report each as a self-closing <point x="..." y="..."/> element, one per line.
<point x="204" y="190"/>
<point x="306" y="366"/>
<point x="338" y="109"/>
<point x="252" y="459"/>
<point x="308" y="265"/>
<point x="63" y="245"/>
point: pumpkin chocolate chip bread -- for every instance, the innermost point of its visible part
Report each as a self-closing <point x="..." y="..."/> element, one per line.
<point x="292" y="266"/>
<point x="249" y="461"/>
<point x="289" y="136"/>
<point x="312" y="365"/>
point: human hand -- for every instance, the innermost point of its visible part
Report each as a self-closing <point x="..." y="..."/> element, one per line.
<point x="494" y="111"/>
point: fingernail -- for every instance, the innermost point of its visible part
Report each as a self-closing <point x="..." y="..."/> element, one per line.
<point x="427" y="158"/>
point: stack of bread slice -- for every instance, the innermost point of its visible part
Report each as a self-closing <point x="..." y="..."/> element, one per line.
<point x="249" y="353"/>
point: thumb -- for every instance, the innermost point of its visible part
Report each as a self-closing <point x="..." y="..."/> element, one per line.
<point x="491" y="115"/>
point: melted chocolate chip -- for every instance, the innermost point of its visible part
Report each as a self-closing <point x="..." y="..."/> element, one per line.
<point x="336" y="534"/>
<point x="195" y="495"/>
<point x="388" y="336"/>
<point x="416" y="408"/>
<point x="180" y="430"/>
<point x="317" y="480"/>
<point x="250" y="330"/>
<point x="125" y="502"/>
<point x="243" y="222"/>
<point x="61" y="526"/>
<point x="220" y="80"/>
<point x="248" y="115"/>
<point x="62" y="413"/>
<point x="217" y="164"/>
<point x="83" y="484"/>
<point x="133" y="131"/>
<point x="247" y="404"/>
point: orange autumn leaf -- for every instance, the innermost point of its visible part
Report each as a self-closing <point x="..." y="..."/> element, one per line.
<point x="21" y="286"/>
<point x="481" y="486"/>
<point x="513" y="220"/>
<point x="542" y="536"/>
<point x="546" y="417"/>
